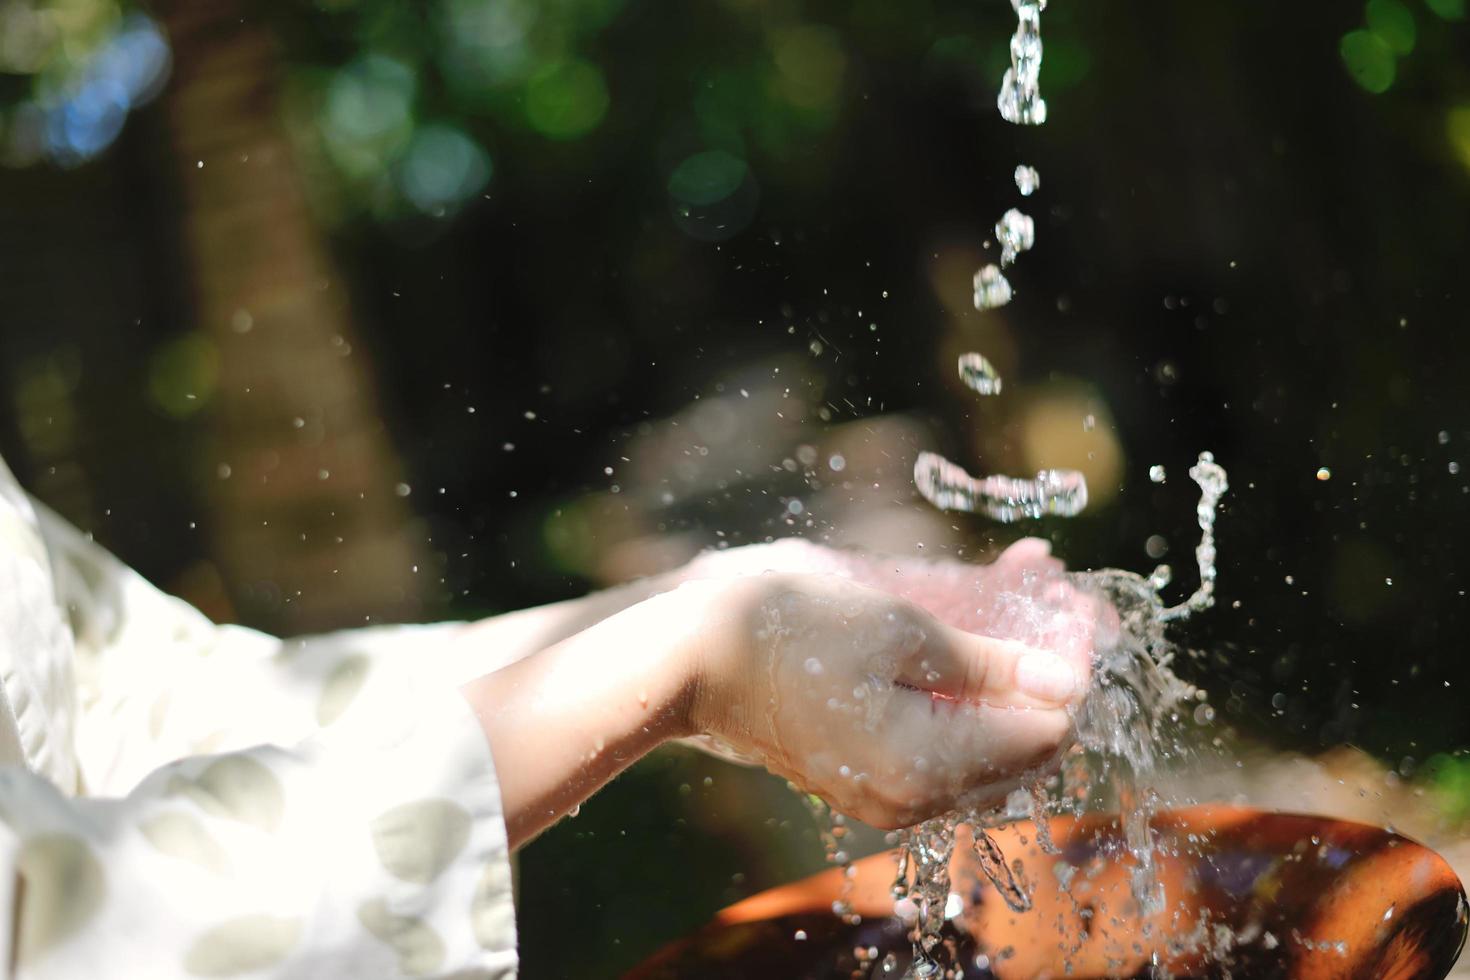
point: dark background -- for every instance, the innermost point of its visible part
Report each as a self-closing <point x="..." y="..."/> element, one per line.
<point x="1250" y="239"/>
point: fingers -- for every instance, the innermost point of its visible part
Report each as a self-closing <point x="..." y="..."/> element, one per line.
<point x="939" y="754"/>
<point x="1026" y="551"/>
<point x="959" y="666"/>
<point x="1033" y="553"/>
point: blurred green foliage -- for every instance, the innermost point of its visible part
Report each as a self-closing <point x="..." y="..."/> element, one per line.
<point x="682" y="194"/>
<point x="51" y="40"/>
<point x="1448" y="777"/>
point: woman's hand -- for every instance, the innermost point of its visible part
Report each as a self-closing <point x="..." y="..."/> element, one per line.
<point x="849" y="684"/>
<point x="895" y="689"/>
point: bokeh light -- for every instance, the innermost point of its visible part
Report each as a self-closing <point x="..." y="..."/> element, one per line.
<point x="486" y="44"/>
<point x="1393" y="22"/>
<point x="442" y="169"/>
<point x="1457" y="126"/>
<point x="1369" y="60"/>
<point x="810" y="65"/>
<point x="91" y="68"/>
<point x="368" y="115"/>
<point x="713" y="195"/>
<point x="183" y="375"/>
<point x="566" y="99"/>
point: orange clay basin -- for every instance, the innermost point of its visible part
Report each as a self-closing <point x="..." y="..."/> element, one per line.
<point x="1248" y="894"/>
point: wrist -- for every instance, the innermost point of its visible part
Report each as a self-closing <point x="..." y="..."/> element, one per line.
<point x="679" y="683"/>
<point x="716" y="625"/>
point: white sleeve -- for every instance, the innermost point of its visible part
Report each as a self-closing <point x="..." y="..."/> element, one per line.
<point x="157" y="680"/>
<point x="248" y="806"/>
<point x="375" y="849"/>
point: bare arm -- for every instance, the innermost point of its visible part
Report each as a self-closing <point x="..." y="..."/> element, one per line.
<point x="852" y="692"/>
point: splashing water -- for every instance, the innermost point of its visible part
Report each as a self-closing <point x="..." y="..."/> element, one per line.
<point x="1016" y="233"/>
<point x="1213" y="482"/>
<point x="1020" y="98"/>
<point x="1062" y="493"/>
<point x="1122" y="737"/>
<point x="979" y="374"/>
<point x="1028" y="181"/>
<point x="992" y="289"/>
<point x="1120" y="726"/>
<point x="834" y="834"/>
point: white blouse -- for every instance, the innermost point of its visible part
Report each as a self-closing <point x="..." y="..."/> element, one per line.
<point x="180" y="799"/>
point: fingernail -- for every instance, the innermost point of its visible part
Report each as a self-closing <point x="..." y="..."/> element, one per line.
<point x="1046" y="676"/>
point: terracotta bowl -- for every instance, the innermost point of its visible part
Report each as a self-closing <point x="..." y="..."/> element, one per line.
<point x="1249" y="894"/>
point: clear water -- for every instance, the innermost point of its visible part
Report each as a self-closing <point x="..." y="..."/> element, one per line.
<point x="979" y="374"/>
<point x="1124" y="733"/>
<point x="1020" y="98"/>
<point x="1028" y="181"/>
<point x="1122" y="727"/>
<point x="1016" y="233"/>
<point x="1061" y="493"/>
<point x="992" y="289"/>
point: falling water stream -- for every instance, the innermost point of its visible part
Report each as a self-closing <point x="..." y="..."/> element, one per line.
<point x="1119" y="725"/>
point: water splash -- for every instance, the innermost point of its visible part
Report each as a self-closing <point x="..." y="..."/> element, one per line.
<point x="979" y="374"/>
<point x="1016" y="233"/>
<point x="1213" y="482"/>
<point x="1028" y="181"/>
<point x="1061" y="493"/>
<point x="1020" y="98"/>
<point x="834" y="832"/>
<point x="1126" y="728"/>
<point x="992" y="289"/>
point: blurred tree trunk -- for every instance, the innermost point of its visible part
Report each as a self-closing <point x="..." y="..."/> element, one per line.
<point x="309" y="529"/>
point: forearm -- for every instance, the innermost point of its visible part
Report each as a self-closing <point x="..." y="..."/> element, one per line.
<point x="565" y="721"/>
<point x="498" y="641"/>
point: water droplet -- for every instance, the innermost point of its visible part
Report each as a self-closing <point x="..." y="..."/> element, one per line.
<point x="979" y="374"/>
<point x="813" y="666"/>
<point x="403" y="489"/>
<point x="837" y="463"/>
<point x="1089" y="422"/>
<point x="1160" y="577"/>
<point x="1020" y="98"/>
<point x="575" y="811"/>
<point x="1006" y="499"/>
<point x="800" y="935"/>
<point x="1016" y="233"/>
<point x="1157" y="473"/>
<point x="992" y="289"/>
<point x="1027" y="180"/>
<point x="1324" y="474"/>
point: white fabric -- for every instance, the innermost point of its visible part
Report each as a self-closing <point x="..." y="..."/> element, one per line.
<point x="245" y="807"/>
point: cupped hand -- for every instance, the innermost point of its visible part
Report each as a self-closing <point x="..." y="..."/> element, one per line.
<point x="895" y="689"/>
